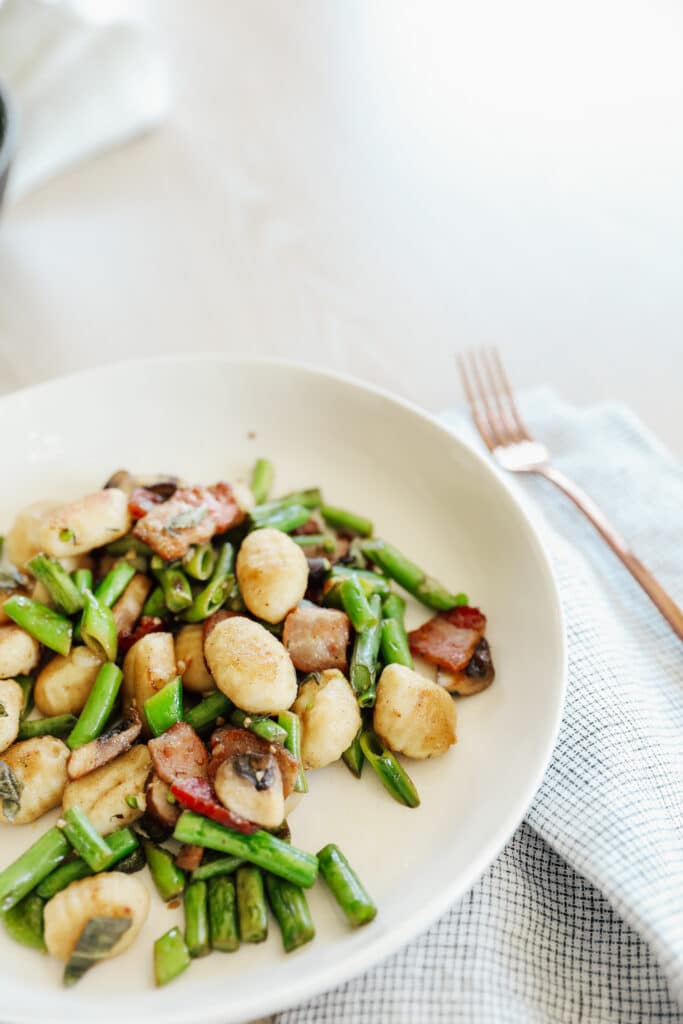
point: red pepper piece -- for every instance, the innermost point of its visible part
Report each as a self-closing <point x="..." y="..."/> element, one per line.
<point x="198" y="795"/>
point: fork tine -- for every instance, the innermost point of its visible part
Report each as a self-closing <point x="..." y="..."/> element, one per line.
<point x="504" y="386"/>
<point x="507" y="426"/>
<point x="479" y="407"/>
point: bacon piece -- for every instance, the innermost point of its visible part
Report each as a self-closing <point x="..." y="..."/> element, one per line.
<point x="178" y="754"/>
<point x="157" y="803"/>
<point x="192" y="516"/>
<point x="477" y="675"/>
<point x="446" y="641"/>
<point x="142" y="501"/>
<point x="198" y="795"/>
<point x="105" y="748"/>
<point x="189" y="857"/>
<point x="229" y="743"/>
<point x="147" y="624"/>
<point x="317" y="638"/>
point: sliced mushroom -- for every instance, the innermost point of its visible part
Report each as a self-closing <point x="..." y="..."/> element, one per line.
<point x="250" y="784"/>
<point x="478" y="674"/>
<point x="159" y="804"/>
<point x="229" y="743"/>
<point x="105" y="748"/>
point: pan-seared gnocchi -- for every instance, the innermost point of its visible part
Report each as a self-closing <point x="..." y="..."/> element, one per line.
<point x="64" y="684"/>
<point x="82" y="525"/>
<point x="413" y="715"/>
<point x="39" y="766"/>
<point x="23" y="540"/>
<point x="272" y="572"/>
<point x="250" y="666"/>
<point x="330" y="718"/>
<point x="189" y="649"/>
<point x="19" y="652"/>
<point x="11" y="703"/>
<point x="102" y="793"/>
<point x="148" y="666"/>
<point x="112" y="894"/>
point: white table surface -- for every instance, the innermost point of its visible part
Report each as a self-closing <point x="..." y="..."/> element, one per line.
<point x="371" y="186"/>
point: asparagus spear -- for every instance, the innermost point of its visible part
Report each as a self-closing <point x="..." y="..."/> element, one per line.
<point x="251" y="904"/>
<point x="165" y="708"/>
<point x="222" y="914"/>
<point x="98" y="707"/>
<point x="363" y="672"/>
<point x="262" y="477"/>
<point x="389" y="771"/>
<point x="109" y="590"/>
<point x="201" y="561"/>
<point x="59" y="584"/>
<point x="166" y="875"/>
<point x="290" y="907"/>
<point x="356" y="604"/>
<point x="196" y="919"/>
<point x="219" y="866"/>
<point x="57" y="725"/>
<point x="46" y="625"/>
<point x="261" y="725"/>
<point x="171" y="956"/>
<point x="410" y="576"/>
<point x="86" y="840"/>
<point x="122" y="844"/>
<point x="34" y="864"/>
<point x="24" y="922"/>
<point x="215" y="705"/>
<point x="345" y="885"/>
<point x="349" y="522"/>
<point x="291" y="723"/>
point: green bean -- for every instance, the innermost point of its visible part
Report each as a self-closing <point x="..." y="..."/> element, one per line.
<point x="24" y="922"/>
<point x="356" y="605"/>
<point x="285" y="519"/>
<point x="32" y="866"/>
<point x="98" y="706"/>
<point x="251" y="904"/>
<point x="83" y="580"/>
<point x="58" y="583"/>
<point x="27" y="684"/>
<point x="315" y="540"/>
<point x="346" y="886"/>
<point x="214" y="705"/>
<point x="199" y="561"/>
<point x="176" y="588"/>
<point x="166" y="875"/>
<point x="262" y="477"/>
<point x="291" y="724"/>
<point x="86" y="840"/>
<point x="196" y="919"/>
<point x="290" y="907"/>
<point x="260" y="848"/>
<point x="390" y="772"/>
<point x="213" y="868"/>
<point x="43" y="623"/>
<point x="129" y="543"/>
<point x="122" y="845"/>
<point x="223" y="914"/>
<point x="165" y="708"/>
<point x="411" y="577"/>
<point x="112" y="586"/>
<point x="341" y="519"/>
<point x="260" y="725"/>
<point x="57" y="725"/>
<point x="395" y="646"/>
<point x="218" y="589"/>
<point x="171" y="956"/>
<point x="155" y="605"/>
<point x="98" y="628"/>
<point x="310" y="499"/>
<point x="353" y="757"/>
<point x="363" y="671"/>
<point x="372" y="582"/>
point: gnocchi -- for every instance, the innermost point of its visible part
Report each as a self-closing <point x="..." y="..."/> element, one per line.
<point x="189" y="649"/>
<point x="39" y="765"/>
<point x="412" y="714"/>
<point x="272" y="573"/>
<point x="102" y="793"/>
<point x="330" y="718"/>
<point x="85" y="524"/>
<point x="250" y="666"/>
<point x="11" y="703"/>
<point x="148" y="666"/>
<point x="19" y="652"/>
<point x="64" y="684"/>
<point x="112" y="894"/>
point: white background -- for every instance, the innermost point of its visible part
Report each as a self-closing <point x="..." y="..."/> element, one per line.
<point x="373" y="185"/>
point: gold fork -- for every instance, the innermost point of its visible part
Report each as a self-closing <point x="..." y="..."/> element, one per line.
<point x="497" y="419"/>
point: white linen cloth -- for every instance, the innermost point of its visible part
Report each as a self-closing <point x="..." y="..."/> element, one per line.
<point x="78" y="87"/>
<point x="581" y="917"/>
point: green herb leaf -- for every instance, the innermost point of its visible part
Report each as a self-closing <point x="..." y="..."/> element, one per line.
<point x="66" y="535"/>
<point x="98" y="938"/>
<point x="183" y="520"/>
<point x="10" y="791"/>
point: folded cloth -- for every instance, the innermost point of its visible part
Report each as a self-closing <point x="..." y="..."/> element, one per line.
<point x="78" y="87"/>
<point x="581" y="917"/>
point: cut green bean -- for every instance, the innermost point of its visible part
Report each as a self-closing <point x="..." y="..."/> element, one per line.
<point x="363" y="670"/>
<point x="218" y="589"/>
<point x="219" y="866"/>
<point x="356" y="605"/>
<point x="57" y="725"/>
<point x="200" y="561"/>
<point x="44" y="624"/>
<point x="86" y="840"/>
<point x="98" y="628"/>
<point x="353" y="757"/>
<point x="346" y="887"/>
<point x="310" y="499"/>
<point x="122" y="844"/>
<point x="290" y="907"/>
<point x="252" y="911"/>
<point x="411" y="577"/>
<point x="32" y="866"/>
<point x="166" y="875"/>
<point x="98" y="707"/>
<point x="24" y="922"/>
<point x="155" y="605"/>
<point x="27" y="684"/>
<point x="223" y="914"/>
<point x="58" y="583"/>
<point x="315" y="540"/>
<point x="202" y="715"/>
<point x="83" y="580"/>
<point x="196" y="919"/>
<point x="135" y="861"/>
<point x="285" y="519"/>
<point x="124" y="545"/>
<point x="261" y="725"/>
<point x="348" y="522"/>
<point x="262" y="477"/>
<point x="176" y="588"/>
<point x="393" y="607"/>
<point x="165" y="708"/>
<point x="389" y="771"/>
<point x="372" y="582"/>
<point x="395" y="646"/>
<point x="260" y="848"/>
<point x="112" y="586"/>
<point x="291" y="723"/>
<point x="171" y="956"/>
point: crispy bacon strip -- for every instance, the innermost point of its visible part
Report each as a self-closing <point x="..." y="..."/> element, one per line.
<point x="198" y="795"/>
<point x="228" y="743"/>
<point x="450" y="638"/>
<point x="178" y="754"/>
<point x="477" y="675"/>
<point x="192" y="516"/>
<point x="317" y="638"/>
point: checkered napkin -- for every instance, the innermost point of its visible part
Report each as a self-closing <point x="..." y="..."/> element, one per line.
<point x="581" y="917"/>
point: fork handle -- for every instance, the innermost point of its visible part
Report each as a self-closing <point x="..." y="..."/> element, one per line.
<point x="657" y="594"/>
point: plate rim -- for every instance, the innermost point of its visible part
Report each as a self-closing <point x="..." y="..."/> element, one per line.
<point x="384" y="945"/>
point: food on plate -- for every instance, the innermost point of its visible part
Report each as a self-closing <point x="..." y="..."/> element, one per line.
<point x="194" y="652"/>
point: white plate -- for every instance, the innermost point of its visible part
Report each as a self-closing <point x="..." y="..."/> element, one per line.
<point x="207" y="418"/>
